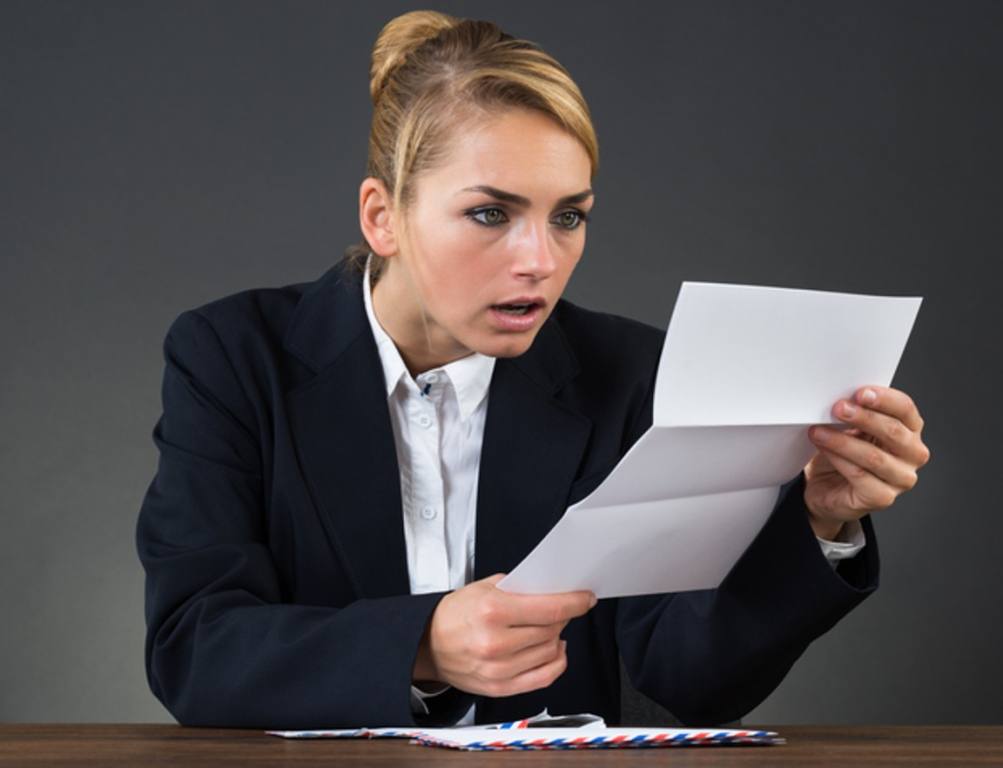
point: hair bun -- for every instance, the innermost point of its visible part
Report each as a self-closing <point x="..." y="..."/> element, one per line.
<point x="398" y="38"/>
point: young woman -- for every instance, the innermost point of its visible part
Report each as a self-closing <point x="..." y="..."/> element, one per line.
<point x="349" y="466"/>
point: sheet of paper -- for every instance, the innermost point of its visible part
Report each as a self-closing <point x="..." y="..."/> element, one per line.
<point x="668" y="545"/>
<point x="742" y="354"/>
<point x="745" y="370"/>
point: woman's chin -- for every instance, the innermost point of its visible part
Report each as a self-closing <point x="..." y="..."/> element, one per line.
<point x="508" y="345"/>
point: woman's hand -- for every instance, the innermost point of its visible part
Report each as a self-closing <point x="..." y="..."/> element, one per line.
<point x="867" y="467"/>
<point x="486" y="641"/>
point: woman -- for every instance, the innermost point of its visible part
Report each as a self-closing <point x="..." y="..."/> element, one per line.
<point x="335" y="454"/>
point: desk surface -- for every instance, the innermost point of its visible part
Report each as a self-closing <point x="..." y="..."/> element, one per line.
<point x="132" y="745"/>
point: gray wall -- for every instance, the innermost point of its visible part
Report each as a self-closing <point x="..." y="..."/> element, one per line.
<point x="154" y="156"/>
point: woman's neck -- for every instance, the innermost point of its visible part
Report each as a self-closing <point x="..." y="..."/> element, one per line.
<point x="422" y="343"/>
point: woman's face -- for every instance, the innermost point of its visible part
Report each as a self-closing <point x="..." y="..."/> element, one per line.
<point x="500" y="222"/>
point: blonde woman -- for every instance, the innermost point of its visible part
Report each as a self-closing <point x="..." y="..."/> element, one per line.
<point x="348" y="466"/>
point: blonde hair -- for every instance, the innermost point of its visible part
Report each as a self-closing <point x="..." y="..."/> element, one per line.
<point x="429" y="72"/>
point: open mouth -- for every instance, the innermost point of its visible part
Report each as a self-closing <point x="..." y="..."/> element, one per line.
<point x="514" y="309"/>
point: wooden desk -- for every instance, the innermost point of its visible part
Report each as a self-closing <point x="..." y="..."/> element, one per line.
<point x="143" y="745"/>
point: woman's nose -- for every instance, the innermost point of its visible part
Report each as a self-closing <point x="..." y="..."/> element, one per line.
<point x="534" y="253"/>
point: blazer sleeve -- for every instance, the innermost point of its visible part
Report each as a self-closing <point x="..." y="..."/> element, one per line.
<point x="224" y="646"/>
<point x="711" y="656"/>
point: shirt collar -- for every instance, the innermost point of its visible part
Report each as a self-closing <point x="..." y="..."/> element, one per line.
<point x="470" y="375"/>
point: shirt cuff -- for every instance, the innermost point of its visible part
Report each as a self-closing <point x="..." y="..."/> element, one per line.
<point x="418" y="697"/>
<point x="848" y="543"/>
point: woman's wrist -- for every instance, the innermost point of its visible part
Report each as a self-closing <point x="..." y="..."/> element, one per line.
<point x="822" y="527"/>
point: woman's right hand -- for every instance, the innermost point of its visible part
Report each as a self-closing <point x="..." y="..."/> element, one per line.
<point x="486" y="641"/>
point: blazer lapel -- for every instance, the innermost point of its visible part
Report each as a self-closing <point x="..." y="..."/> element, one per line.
<point x="533" y="444"/>
<point x="341" y="427"/>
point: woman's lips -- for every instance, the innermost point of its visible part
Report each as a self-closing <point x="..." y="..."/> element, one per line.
<point x="509" y="322"/>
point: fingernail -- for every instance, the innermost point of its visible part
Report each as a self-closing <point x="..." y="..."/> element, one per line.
<point x="868" y="396"/>
<point x="592" y="603"/>
<point x="819" y="434"/>
<point x="849" y="411"/>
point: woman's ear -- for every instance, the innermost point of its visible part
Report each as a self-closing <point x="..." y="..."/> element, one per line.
<point x="376" y="217"/>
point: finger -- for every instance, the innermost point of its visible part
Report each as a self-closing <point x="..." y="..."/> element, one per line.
<point x="869" y="458"/>
<point x="868" y="491"/>
<point x="544" y="610"/>
<point x="527" y="637"/>
<point x="858" y="433"/>
<point x="894" y="402"/>
<point x="526" y="659"/>
<point x="514" y="639"/>
<point x="892" y="433"/>
<point x="541" y="676"/>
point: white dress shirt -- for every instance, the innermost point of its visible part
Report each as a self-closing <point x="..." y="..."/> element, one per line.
<point x="438" y="425"/>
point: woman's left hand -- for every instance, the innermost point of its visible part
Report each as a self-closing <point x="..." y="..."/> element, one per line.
<point x="867" y="467"/>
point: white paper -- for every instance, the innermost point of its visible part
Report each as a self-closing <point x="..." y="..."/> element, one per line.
<point x="745" y="370"/>
<point x="742" y="354"/>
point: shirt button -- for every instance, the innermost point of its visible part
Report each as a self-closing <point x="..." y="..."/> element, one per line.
<point x="425" y="420"/>
<point x="432" y="378"/>
<point x="428" y="512"/>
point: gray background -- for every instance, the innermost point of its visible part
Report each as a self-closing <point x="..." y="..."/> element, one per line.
<point x="159" y="155"/>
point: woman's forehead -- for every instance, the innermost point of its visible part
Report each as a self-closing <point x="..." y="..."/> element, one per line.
<point x="519" y="151"/>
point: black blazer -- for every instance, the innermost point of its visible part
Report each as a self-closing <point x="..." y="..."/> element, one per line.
<point x="277" y="593"/>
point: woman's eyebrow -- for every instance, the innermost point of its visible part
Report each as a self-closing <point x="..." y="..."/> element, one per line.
<point x="511" y="197"/>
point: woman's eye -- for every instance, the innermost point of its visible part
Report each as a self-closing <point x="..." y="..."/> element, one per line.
<point x="571" y="219"/>
<point x="492" y="216"/>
